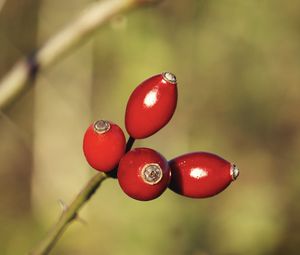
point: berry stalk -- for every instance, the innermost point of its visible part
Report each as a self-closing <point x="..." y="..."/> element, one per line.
<point x="129" y="143"/>
<point x="114" y="173"/>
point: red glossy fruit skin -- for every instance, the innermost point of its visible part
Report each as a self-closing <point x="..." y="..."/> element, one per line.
<point x="104" y="151"/>
<point x="150" y="107"/>
<point x="199" y="174"/>
<point x="129" y="174"/>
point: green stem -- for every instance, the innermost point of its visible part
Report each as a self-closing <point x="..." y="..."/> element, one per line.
<point x="68" y="215"/>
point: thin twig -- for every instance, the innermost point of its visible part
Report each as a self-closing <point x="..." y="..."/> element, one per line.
<point x="68" y="215"/>
<point x="17" y="80"/>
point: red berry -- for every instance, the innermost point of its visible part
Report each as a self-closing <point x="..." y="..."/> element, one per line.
<point x="201" y="174"/>
<point x="143" y="174"/>
<point x="103" y="145"/>
<point x="151" y="105"/>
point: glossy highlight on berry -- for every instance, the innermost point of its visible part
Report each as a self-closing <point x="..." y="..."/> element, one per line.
<point x="151" y="105"/>
<point x="201" y="174"/>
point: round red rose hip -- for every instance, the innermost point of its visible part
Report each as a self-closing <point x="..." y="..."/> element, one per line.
<point x="103" y="145"/>
<point x="143" y="174"/>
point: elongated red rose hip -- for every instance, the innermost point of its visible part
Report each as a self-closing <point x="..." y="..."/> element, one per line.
<point x="151" y="105"/>
<point x="103" y="145"/>
<point x="201" y="174"/>
<point x="143" y="174"/>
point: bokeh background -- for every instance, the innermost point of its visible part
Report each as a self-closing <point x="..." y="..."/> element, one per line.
<point x="238" y="68"/>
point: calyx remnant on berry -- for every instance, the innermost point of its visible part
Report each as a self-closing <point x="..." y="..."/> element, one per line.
<point x="169" y="77"/>
<point x="101" y="126"/>
<point x="152" y="173"/>
<point x="234" y="172"/>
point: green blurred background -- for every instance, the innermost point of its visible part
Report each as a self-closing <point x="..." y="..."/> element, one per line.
<point x="238" y="68"/>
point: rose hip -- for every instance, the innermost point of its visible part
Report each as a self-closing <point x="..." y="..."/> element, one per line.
<point x="151" y="105"/>
<point x="201" y="174"/>
<point x="103" y="145"/>
<point x="143" y="174"/>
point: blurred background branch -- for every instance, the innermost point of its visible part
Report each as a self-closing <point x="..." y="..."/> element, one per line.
<point x="16" y="81"/>
<point x="2" y="2"/>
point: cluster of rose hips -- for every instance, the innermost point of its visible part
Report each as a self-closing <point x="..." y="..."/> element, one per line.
<point x="143" y="173"/>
